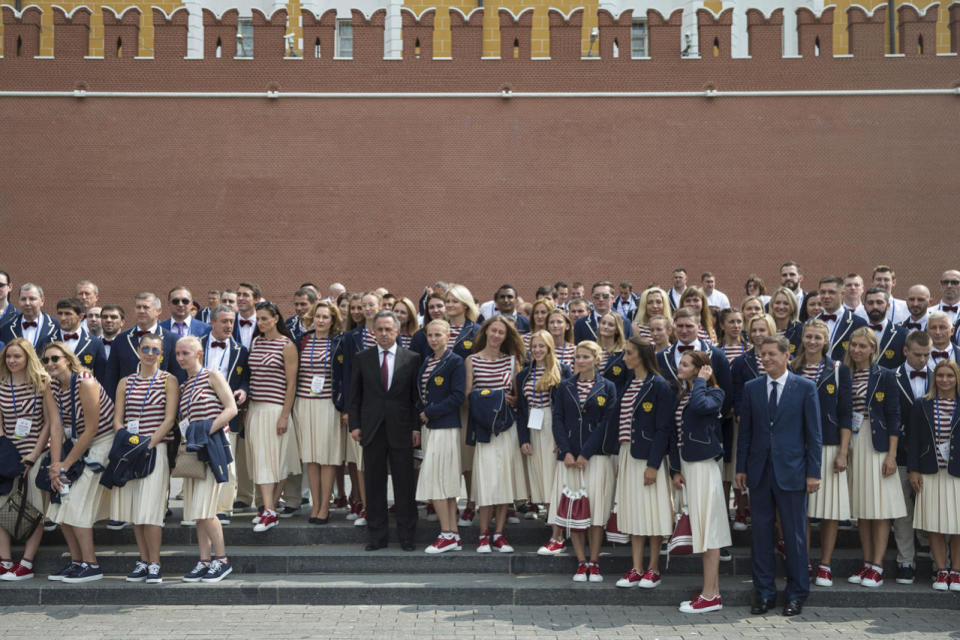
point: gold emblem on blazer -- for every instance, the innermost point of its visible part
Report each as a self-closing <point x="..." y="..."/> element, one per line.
<point x="793" y="348"/>
<point x="438" y="380"/>
<point x="879" y="395"/>
<point x="485" y="392"/>
<point x="239" y="370"/>
<point x="845" y="344"/>
<point x="888" y="354"/>
<point x="647" y="407"/>
<point x="468" y="344"/>
<point x="617" y="369"/>
<point x="87" y="359"/>
<point x="134" y="440"/>
<point x="601" y="400"/>
<point x="340" y="358"/>
<point x="831" y="389"/>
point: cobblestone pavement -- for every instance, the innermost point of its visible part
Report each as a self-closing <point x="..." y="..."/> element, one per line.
<point x="461" y="623"/>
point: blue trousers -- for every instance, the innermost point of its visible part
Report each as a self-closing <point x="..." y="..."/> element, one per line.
<point x="766" y="498"/>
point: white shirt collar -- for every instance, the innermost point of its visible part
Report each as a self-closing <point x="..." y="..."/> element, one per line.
<point x="186" y="321"/>
<point x="781" y="381"/>
<point x="392" y="350"/>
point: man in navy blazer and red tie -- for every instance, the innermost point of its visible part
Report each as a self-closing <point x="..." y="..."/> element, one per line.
<point x="840" y="321"/>
<point x="32" y="324"/>
<point x="778" y="458"/>
<point x="180" y="322"/>
<point x="88" y="349"/>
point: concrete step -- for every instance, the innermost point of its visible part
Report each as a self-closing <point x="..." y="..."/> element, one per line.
<point x="445" y="589"/>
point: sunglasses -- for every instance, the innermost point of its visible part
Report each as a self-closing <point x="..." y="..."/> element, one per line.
<point x="181" y="301"/>
<point x="953" y="283"/>
<point x="49" y="359"/>
<point x="154" y="350"/>
<point x="602" y="296"/>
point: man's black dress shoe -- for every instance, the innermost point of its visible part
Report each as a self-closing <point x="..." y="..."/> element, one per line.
<point x="760" y="605"/>
<point x="373" y="546"/>
<point x="407" y="546"/>
<point x="793" y="608"/>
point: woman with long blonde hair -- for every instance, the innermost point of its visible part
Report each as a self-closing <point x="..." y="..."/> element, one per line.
<point x="653" y="302"/>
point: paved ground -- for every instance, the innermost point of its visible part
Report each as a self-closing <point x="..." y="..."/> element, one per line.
<point x="462" y="623"/>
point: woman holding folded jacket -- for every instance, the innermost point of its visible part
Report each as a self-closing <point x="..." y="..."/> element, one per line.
<point x="85" y="413"/>
<point x="204" y="396"/>
<point x="146" y="408"/>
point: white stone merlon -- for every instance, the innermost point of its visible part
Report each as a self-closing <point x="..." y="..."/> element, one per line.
<point x="393" y="31"/>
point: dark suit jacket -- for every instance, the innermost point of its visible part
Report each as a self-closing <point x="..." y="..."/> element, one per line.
<point x="791" y="440"/>
<point x="7" y="314"/>
<point x="48" y="330"/>
<point x="92" y="354"/>
<point x="891" y="346"/>
<point x="847" y="322"/>
<point x="238" y="375"/>
<point x="371" y="407"/>
<point x="586" y="328"/>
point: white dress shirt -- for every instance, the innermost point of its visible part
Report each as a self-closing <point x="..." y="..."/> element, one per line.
<point x="217" y="358"/>
<point x="918" y="385"/>
<point x="935" y="361"/>
<point x="30" y="333"/>
<point x="391" y="361"/>
<point x="718" y="299"/>
<point x="246" y="333"/>
<point x="781" y="383"/>
<point x="186" y="325"/>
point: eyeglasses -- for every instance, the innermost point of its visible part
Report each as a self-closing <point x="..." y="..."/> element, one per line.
<point x="953" y="283"/>
<point x="49" y="359"/>
<point x="181" y="301"/>
<point x="147" y="350"/>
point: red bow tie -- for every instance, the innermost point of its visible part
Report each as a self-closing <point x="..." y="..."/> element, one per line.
<point x="218" y="345"/>
<point x="141" y="333"/>
<point x="29" y="323"/>
<point x="684" y="347"/>
<point x="913" y="325"/>
<point x="950" y="307"/>
<point x="918" y="374"/>
<point x="246" y="323"/>
<point x="828" y="316"/>
<point x="877" y="327"/>
<point x="71" y="336"/>
<point x="107" y="342"/>
<point x="940" y="355"/>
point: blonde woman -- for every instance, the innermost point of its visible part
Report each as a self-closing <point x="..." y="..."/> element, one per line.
<point x="784" y="311"/>
<point x="751" y="306"/>
<point x="653" y="302"/>
<point x="662" y="333"/>
<point x="611" y="339"/>
<point x="560" y="328"/>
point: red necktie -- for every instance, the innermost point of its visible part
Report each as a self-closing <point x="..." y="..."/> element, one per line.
<point x="385" y="372"/>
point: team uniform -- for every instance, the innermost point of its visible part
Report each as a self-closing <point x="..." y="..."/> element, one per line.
<point x="832" y="499"/>
<point x="272" y="457"/>
<point x="21" y="410"/>
<point x="316" y="411"/>
<point x="442" y="386"/>
<point x="199" y="401"/>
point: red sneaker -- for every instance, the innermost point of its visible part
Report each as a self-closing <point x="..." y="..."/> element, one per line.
<point x="443" y="543"/>
<point x="942" y="583"/>
<point x="483" y="543"/>
<point x="955" y="581"/>
<point x="512" y="516"/>
<point x="355" y="509"/>
<point x="501" y="544"/>
<point x="267" y="521"/>
<point x="631" y="578"/>
<point x="466" y="518"/>
<point x="552" y="548"/>
<point x="824" y="577"/>
<point x="17" y="573"/>
<point x="702" y="605"/>
<point x="340" y="503"/>
<point x="872" y="578"/>
<point x="857" y="578"/>
<point x="582" y="570"/>
<point x="594" y="573"/>
<point x="361" y="520"/>
<point x="650" y="580"/>
<point x="740" y="522"/>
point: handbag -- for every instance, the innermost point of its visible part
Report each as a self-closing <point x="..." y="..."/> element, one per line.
<point x="18" y="516"/>
<point x="681" y="540"/>
<point x="613" y="532"/>
<point x="188" y="465"/>
<point x="573" y="511"/>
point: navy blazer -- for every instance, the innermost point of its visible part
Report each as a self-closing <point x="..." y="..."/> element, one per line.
<point x="907" y="402"/>
<point x="523" y="407"/>
<point x="616" y="372"/>
<point x="794" y="333"/>
<point x="652" y="420"/>
<point x="922" y="452"/>
<point x="883" y="398"/>
<point x="586" y="329"/>
<point x="238" y="375"/>
<point x="835" y="394"/>
<point x="293" y="325"/>
<point x="463" y="346"/>
<point x="91" y="352"/>
<point x="446" y="391"/>
<point x="891" y="346"/>
<point x="701" y="436"/>
<point x="666" y="360"/>
<point x="48" y="330"/>
<point x="589" y="430"/>
<point x="351" y="344"/>
<point x="336" y="349"/>
<point x="743" y="369"/>
<point x="847" y="322"/>
<point x="790" y="442"/>
<point x="8" y="314"/>
<point x="197" y="328"/>
<point x="123" y="358"/>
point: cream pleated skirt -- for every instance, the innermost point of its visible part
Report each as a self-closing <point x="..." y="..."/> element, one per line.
<point x="542" y="465"/>
<point x="89" y="501"/>
<point x="708" y="508"/>
<point x="319" y="431"/>
<point x="271" y="457"/>
<point x="201" y="496"/>
<point x="144" y="500"/>
<point x="872" y="497"/>
<point x="642" y="510"/>
<point x="832" y="500"/>
<point x="600" y="482"/>
<point x="937" y="506"/>
<point x="497" y="470"/>
<point x="440" y="469"/>
<point x="466" y="450"/>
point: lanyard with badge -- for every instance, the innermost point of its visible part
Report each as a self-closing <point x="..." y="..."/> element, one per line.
<point x="184" y="422"/>
<point x="319" y="380"/>
<point x="535" y="421"/>
<point x="133" y="425"/>
<point x="857" y="418"/>
<point x="73" y="407"/>
<point x="23" y="425"/>
<point x="943" y="448"/>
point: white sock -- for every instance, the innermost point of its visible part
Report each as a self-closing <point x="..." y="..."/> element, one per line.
<point x="26" y="564"/>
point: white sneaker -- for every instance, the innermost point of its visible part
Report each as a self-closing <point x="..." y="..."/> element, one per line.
<point x="188" y="523"/>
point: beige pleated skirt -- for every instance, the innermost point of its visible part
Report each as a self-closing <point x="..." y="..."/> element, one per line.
<point x="497" y="470"/>
<point x="201" y="496"/>
<point x="319" y="431"/>
<point x="730" y="468"/>
<point x="228" y="490"/>
<point x="89" y="501"/>
<point x="144" y="500"/>
<point x="271" y="458"/>
<point x="642" y="510"/>
<point x="707" y="507"/>
<point x="872" y="497"/>
<point x="600" y="481"/>
<point x="36" y="497"/>
<point x="542" y="465"/>
<point x="440" y="469"/>
<point x="466" y="450"/>
<point x="353" y="451"/>
<point x="832" y="500"/>
<point x="937" y="507"/>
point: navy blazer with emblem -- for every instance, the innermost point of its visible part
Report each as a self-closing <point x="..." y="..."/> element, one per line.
<point x="197" y="328"/>
<point x="847" y="322"/>
<point x="91" y="352"/>
<point x="891" y="341"/>
<point x="652" y="420"/>
<point x="883" y="398"/>
<point x="835" y="394"/>
<point x="701" y="437"/>
<point x="588" y="430"/>
<point x="462" y="346"/>
<point x="124" y="360"/>
<point x="523" y="407"/>
<point x="586" y="328"/>
<point x="922" y="450"/>
<point x="907" y="402"/>
<point x="238" y="374"/>
<point x="48" y="330"/>
<point x="444" y="392"/>
<point x="666" y="360"/>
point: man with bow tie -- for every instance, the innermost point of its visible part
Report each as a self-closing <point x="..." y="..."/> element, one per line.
<point x="31" y="324"/>
<point x="918" y="307"/>
<point x="949" y="295"/>
<point x="840" y="321"/>
<point x="123" y="358"/>
<point x="88" y="349"/>
<point x="248" y="295"/>
<point x="940" y="329"/>
<point x="111" y="323"/>
<point x="889" y="336"/>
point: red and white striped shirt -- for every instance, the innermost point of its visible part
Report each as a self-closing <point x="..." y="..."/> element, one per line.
<point x="368" y="339"/>
<point x="198" y="400"/>
<point x="811" y="372"/>
<point x="642" y="331"/>
<point x="678" y="417"/>
<point x="535" y="399"/>
<point x="760" y="367"/>
<point x="702" y="333"/>
<point x="627" y="404"/>
<point x="455" y="334"/>
<point x="491" y="374"/>
<point x="943" y="417"/>
<point x="732" y="351"/>
<point x="268" y="375"/>
<point x="583" y="390"/>
<point x="860" y="380"/>
<point x="565" y="353"/>
<point x="432" y="363"/>
<point x="316" y="359"/>
<point x="145" y="399"/>
<point x="62" y="396"/>
<point x="19" y="401"/>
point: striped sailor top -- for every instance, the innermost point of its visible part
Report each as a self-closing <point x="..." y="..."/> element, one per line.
<point x="316" y="359"/>
<point x="860" y="380"/>
<point x="368" y="339"/>
<point x="145" y="399"/>
<point x="583" y="390"/>
<point x="19" y="401"/>
<point x="811" y="372"/>
<point x="565" y="353"/>
<point x="455" y="334"/>
<point x="268" y="375"/>
<point x="642" y="331"/>
<point x="198" y="400"/>
<point x="432" y="363"/>
<point x="68" y="406"/>
<point x="491" y="374"/>
<point x="732" y="351"/>
<point x="678" y="417"/>
<point x="943" y="418"/>
<point x="627" y="404"/>
<point x="535" y="399"/>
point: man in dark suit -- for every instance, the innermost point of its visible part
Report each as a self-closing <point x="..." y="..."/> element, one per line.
<point x="31" y="323"/>
<point x="180" y="322"/>
<point x="7" y="311"/>
<point x="840" y="321"/>
<point x="303" y="300"/>
<point x="586" y="328"/>
<point x="778" y="457"/>
<point x="88" y="349"/>
<point x="383" y="418"/>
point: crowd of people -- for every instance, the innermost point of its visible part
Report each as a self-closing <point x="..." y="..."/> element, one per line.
<point x="796" y="407"/>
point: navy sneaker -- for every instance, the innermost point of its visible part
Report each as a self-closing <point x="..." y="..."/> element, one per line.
<point x="726" y="555"/>
<point x="117" y="525"/>
<point x="139" y="573"/>
<point x="906" y="574"/>
<point x="49" y="525"/>
<point x="67" y="570"/>
<point x="219" y="569"/>
<point x="198" y="572"/>
<point x="154" y="575"/>
<point x="224" y="518"/>
<point x="87" y="573"/>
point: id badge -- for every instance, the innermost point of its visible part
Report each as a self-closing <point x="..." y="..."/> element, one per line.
<point x="22" y="429"/>
<point x="535" y="421"/>
<point x="856" y="422"/>
<point x="944" y="449"/>
<point x="184" y="424"/>
<point x="316" y="385"/>
<point x="133" y="426"/>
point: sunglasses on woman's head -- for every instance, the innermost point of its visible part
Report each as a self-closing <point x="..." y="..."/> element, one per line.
<point x="49" y="359"/>
<point x="154" y="350"/>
